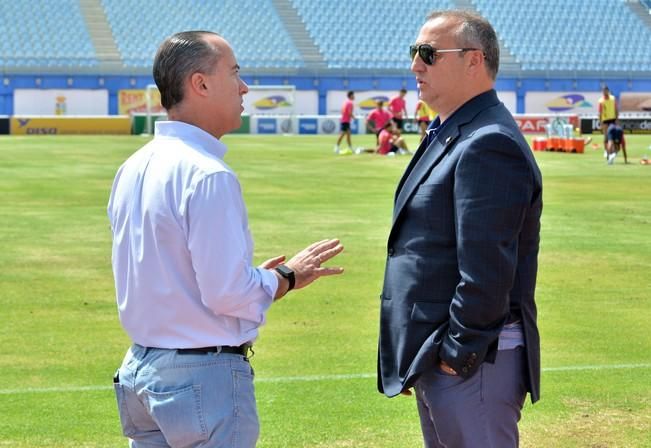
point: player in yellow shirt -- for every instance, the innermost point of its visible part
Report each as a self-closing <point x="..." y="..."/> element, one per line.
<point x="607" y="114"/>
<point x="424" y="114"/>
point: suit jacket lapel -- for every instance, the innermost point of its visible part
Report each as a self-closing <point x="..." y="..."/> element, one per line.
<point x="427" y="157"/>
<point x="419" y="168"/>
<point x="422" y="147"/>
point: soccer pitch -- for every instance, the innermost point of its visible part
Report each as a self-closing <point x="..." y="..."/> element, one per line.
<point x="315" y="360"/>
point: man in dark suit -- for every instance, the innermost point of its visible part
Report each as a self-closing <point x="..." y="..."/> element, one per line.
<point x="458" y="317"/>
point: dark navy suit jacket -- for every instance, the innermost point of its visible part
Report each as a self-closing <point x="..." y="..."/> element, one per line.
<point x="462" y="251"/>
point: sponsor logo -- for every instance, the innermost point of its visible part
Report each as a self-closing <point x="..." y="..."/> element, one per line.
<point x="635" y="102"/>
<point x="568" y="102"/>
<point x="267" y="126"/>
<point x="532" y="125"/>
<point x="639" y="126"/>
<point x="308" y="126"/>
<point x="371" y="103"/>
<point x="272" y="102"/>
<point x="537" y="124"/>
<point x="40" y="131"/>
<point x="328" y="126"/>
<point x="286" y="126"/>
<point x="410" y="127"/>
<point x="630" y="125"/>
<point x="131" y="101"/>
<point x="70" y="125"/>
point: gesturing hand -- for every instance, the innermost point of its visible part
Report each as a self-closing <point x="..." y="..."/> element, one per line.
<point x="308" y="263"/>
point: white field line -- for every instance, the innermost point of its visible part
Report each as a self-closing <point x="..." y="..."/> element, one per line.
<point x="293" y="379"/>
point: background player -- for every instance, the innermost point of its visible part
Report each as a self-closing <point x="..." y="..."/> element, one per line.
<point x="607" y="114"/>
<point x="398" y="109"/>
<point x="378" y="117"/>
<point x="346" y="117"/>
<point x="614" y="142"/>
<point x="424" y="115"/>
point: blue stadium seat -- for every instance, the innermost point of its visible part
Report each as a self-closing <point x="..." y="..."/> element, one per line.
<point x="554" y="35"/>
<point x="598" y="34"/>
<point x="345" y="31"/>
<point x="40" y="28"/>
<point x="140" y="25"/>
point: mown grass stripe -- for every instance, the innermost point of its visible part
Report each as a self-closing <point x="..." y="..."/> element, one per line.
<point x="292" y="379"/>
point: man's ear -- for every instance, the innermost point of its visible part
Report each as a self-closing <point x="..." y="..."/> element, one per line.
<point x="476" y="61"/>
<point x="198" y="84"/>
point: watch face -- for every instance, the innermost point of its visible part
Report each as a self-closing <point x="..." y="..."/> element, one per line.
<point x="284" y="270"/>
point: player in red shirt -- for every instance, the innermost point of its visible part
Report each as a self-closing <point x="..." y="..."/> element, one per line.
<point x="398" y="108"/>
<point x="346" y="117"/>
<point x="389" y="142"/>
<point x="378" y="117"/>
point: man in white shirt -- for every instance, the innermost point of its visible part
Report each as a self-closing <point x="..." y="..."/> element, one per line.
<point x="187" y="294"/>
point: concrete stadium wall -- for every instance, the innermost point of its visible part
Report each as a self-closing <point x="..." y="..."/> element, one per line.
<point x="322" y="84"/>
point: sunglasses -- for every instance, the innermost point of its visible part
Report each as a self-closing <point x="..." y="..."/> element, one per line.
<point x="428" y="53"/>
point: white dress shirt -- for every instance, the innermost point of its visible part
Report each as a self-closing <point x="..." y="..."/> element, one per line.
<point x="182" y="249"/>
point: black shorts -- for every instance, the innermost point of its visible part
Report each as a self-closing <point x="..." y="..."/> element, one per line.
<point x="608" y="121"/>
<point x="345" y="127"/>
<point x="398" y="122"/>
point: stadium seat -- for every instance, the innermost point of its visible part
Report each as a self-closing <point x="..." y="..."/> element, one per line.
<point x="555" y="35"/>
<point x="236" y="20"/>
<point x="343" y="31"/>
<point x="30" y="36"/>
<point x="540" y="31"/>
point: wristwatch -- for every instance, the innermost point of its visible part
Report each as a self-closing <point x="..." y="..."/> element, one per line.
<point x="286" y="272"/>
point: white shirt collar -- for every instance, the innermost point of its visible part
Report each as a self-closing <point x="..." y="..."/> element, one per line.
<point x="186" y="131"/>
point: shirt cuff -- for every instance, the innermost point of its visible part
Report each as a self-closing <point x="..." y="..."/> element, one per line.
<point x="269" y="282"/>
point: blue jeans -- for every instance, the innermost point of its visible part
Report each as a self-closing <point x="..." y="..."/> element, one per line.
<point x="167" y="399"/>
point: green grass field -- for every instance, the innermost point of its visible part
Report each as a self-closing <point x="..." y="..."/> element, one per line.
<point x="60" y="339"/>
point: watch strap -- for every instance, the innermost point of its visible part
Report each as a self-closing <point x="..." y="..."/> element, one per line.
<point x="288" y="273"/>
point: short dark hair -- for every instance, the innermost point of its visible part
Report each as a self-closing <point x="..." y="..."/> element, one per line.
<point x="350" y="94"/>
<point x="179" y="56"/>
<point x="475" y="31"/>
<point x="403" y="90"/>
